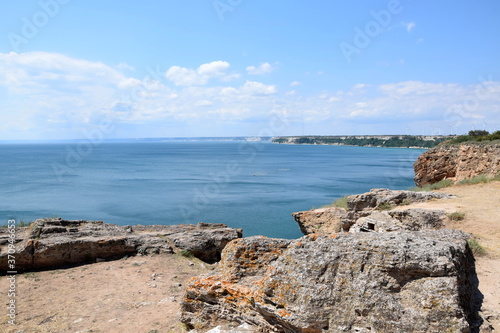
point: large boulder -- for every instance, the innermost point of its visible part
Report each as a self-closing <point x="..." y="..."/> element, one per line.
<point x="419" y="281"/>
<point x="54" y="243"/>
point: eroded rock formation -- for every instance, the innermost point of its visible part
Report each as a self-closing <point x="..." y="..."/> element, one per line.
<point x="419" y="281"/>
<point x="54" y="243"/>
<point x="363" y="213"/>
<point x="324" y="220"/>
<point x="457" y="162"/>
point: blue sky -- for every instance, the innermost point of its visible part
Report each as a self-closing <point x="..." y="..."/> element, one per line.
<point x="240" y="67"/>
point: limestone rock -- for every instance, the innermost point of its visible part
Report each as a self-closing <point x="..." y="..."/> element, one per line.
<point x="54" y="243"/>
<point x="323" y="220"/>
<point x="457" y="162"/>
<point x="400" y="219"/>
<point x="378" y="196"/>
<point x="411" y="281"/>
<point x="332" y="220"/>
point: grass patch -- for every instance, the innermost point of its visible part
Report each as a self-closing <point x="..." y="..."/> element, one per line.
<point x="447" y="183"/>
<point x="186" y="253"/>
<point x="456" y="216"/>
<point x="431" y="187"/>
<point x="474" y="180"/>
<point x="339" y="203"/>
<point x="477" y="249"/>
<point x="385" y="206"/>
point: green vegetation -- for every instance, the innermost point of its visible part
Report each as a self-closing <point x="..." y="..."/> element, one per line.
<point x="447" y="183"/>
<point x="25" y="224"/>
<point x="475" y="136"/>
<point x="477" y="249"/>
<point x="478" y="180"/>
<point x="431" y="187"/>
<point x="394" y="141"/>
<point x="340" y="202"/>
<point x="456" y="216"/>
<point x="186" y="253"/>
<point x="385" y="206"/>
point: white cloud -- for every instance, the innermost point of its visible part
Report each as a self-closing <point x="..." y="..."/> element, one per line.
<point x="125" y="66"/>
<point x="257" y="88"/>
<point x="182" y="76"/>
<point x="409" y="26"/>
<point x="295" y="83"/>
<point x="48" y="95"/>
<point x="263" y="68"/>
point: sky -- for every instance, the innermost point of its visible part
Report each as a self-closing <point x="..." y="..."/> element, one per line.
<point x="72" y="69"/>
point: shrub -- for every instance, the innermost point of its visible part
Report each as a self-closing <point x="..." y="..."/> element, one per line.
<point x="476" y="248"/>
<point x="339" y="203"/>
<point x="474" y="180"/>
<point x="186" y="253"/>
<point x="384" y="206"/>
<point x="456" y="216"/>
<point x="431" y="187"/>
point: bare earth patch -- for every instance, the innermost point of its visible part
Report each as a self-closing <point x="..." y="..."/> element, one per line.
<point x="136" y="294"/>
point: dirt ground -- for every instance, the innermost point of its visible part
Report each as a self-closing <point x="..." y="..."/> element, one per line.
<point x="134" y="295"/>
<point x="141" y="294"/>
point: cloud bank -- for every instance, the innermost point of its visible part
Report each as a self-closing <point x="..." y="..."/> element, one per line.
<point x="54" y="96"/>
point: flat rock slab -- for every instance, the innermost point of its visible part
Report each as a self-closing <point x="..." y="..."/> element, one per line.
<point x="55" y="243"/>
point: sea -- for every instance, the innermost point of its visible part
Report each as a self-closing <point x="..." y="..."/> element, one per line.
<point x="253" y="185"/>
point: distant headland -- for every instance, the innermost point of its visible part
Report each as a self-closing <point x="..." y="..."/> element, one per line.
<point x="394" y="141"/>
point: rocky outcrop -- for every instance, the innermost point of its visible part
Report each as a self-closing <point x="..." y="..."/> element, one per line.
<point x="414" y="219"/>
<point x="54" y="243"/>
<point x="324" y="220"/>
<point x="457" y="162"/>
<point x="419" y="281"/>
<point x="366" y="205"/>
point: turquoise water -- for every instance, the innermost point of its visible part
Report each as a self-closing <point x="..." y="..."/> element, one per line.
<point x="254" y="186"/>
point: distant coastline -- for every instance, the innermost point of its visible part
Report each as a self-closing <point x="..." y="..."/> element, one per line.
<point x="387" y="141"/>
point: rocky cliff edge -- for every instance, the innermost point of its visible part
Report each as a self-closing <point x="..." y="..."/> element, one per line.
<point x="55" y="243"/>
<point x="457" y="162"/>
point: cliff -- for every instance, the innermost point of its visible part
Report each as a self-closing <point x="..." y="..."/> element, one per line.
<point x="457" y="162"/>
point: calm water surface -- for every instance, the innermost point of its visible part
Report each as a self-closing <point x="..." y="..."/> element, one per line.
<point x="254" y="186"/>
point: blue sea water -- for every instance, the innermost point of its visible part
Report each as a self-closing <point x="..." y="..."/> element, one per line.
<point x="250" y="185"/>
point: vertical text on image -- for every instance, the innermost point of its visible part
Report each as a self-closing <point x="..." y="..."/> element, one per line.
<point x="11" y="272"/>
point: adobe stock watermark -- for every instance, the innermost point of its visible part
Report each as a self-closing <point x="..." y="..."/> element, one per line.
<point x="456" y="114"/>
<point x="75" y="156"/>
<point x="372" y="29"/>
<point x="203" y="196"/>
<point x="223" y="6"/>
<point x="11" y="272"/>
<point x="30" y="26"/>
<point x="404" y="168"/>
<point x="96" y="136"/>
